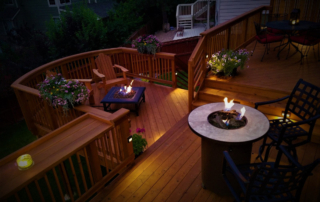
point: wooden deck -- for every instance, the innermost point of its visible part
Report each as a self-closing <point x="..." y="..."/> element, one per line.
<point x="163" y="108"/>
<point x="170" y="170"/>
<point x="280" y="74"/>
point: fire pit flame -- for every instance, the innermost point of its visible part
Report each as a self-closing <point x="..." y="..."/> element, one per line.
<point x="125" y="90"/>
<point x="228" y="105"/>
<point x="243" y="111"/>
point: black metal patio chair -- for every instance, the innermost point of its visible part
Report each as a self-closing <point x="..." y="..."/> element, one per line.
<point x="304" y="102"/>
<point x="265" y="38"/>
<point x="267" y="181"/>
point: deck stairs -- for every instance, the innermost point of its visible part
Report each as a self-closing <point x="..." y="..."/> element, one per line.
<point x="215" y="90"/>
<point x="186" y="13"/>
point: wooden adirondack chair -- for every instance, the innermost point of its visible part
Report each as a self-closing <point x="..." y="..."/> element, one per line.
<point x="106" y="73"/>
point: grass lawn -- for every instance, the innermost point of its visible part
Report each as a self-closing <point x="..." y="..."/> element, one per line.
<point x="14" y="137"/>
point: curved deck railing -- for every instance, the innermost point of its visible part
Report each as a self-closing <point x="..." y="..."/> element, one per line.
<point x="42" y="118"/>
<point x="111" y="149"/>
<point x="233" y="34"/>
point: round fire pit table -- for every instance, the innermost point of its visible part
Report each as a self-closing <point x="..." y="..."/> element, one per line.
<point x="216" y="140"/>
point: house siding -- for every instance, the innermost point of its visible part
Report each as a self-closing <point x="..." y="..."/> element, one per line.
<point x="37" y="12"/>
<point x="228" y="9"/>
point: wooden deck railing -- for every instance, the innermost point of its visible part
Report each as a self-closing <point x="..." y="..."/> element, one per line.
<point x="42" y="118"/>
<point x="75" y="161"/>
<point x="233" y="34"/>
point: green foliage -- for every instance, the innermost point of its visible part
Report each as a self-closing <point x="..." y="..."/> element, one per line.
<point x="14" y="137"/>
<point x="126" y="18"/>
<point x="227" y="60"/>
<point x="147" y="44"/>
<point x="139" y="143"/>
<point x="60" y="92"/>
<point x="79" y="30"/>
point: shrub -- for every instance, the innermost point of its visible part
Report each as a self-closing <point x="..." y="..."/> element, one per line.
<point x="139" y="143"/>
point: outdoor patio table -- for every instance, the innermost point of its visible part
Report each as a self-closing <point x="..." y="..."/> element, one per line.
<point x="291" y="30"/>
<point x="215" y="140"/>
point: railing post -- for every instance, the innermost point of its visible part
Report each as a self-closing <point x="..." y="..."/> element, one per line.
<point x="64" y="71"/>
<point x="94" y="160"/>
<point x="174" y="76"/>
<point x="151" y="69"/>
<point x="121" y="121"/>
<point x="245" y="27"/>
<point x="228" y="37"/>
<point x="190" y="85"/>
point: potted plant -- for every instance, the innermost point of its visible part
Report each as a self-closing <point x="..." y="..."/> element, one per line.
<point x="61" y="92"/>
<point x="147" y="44"/>
<point x="226" y="62"/>
<point x="138" y="142"/>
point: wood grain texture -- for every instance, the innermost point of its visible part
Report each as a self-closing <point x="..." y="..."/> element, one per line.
<point x="169" y="173"/>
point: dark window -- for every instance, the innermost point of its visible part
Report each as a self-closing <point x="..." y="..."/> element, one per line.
<point x="52" y="2"/>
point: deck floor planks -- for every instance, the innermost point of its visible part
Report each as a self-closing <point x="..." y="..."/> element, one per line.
<point x="156" y="169"/>
<point x="171" y="107"/>
<point x="149" y="114"/>
<point x="156" y="159"/>
<point x="174" y="176"/>
<point x="166" y="105"/>
<point x="180" y="190"/>
<point x="156" y="118"/>
<point x="188" y="186"/>
<point x="161" y="110"/>
<point x="165" y="172"/>
<point x="177" y="103"/>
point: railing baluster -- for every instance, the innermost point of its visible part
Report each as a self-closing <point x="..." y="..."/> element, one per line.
<point x="17" y="197"/>
<point x="88" y="165"/>
<point x="74" y="176"/>
<point x="82" y="173"/>
<point x="66" y="179"/>
<point x="49" y="188"/>
<point x="28" y="193"/>
<point x="58" y="184"/>
<point x="39" y="190"/>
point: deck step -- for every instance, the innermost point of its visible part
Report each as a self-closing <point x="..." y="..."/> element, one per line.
<point x="271" y="94"/>
<point x="217" y="95"/>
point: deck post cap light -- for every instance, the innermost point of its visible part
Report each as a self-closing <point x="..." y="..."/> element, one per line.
<point x="25" y="162"/>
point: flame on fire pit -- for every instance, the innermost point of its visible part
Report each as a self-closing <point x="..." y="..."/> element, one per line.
<point x="228" y="105"/>
<point x="227" y="118"/>
<point x="125" y="90"/>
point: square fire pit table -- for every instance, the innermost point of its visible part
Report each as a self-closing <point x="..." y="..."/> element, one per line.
<point x="136" y="99"/>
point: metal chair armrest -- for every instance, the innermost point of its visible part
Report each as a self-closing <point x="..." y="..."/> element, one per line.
<point x="269" y="102"/>
<point x="235" y="171"/>
<point x="283" y="149"/>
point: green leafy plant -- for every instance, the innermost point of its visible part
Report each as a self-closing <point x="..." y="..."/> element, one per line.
<point x="147" y="44"/>
<point x="226" y="61"/>
<point x="79" y="30"/>
<point x="61" y="92"/>
<point x="139" y="143"/>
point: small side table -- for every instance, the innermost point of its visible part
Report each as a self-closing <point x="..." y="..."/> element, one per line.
<point x="136" y="99"/>
<point x="215" y="140"/>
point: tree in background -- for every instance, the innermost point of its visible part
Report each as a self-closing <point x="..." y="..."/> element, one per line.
<point x="127" y="17"/>
<point x="78" y="31"/>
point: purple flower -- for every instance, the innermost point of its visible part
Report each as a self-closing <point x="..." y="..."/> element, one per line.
<point x="66" y="91"/>
<point x="138" y="130"/>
